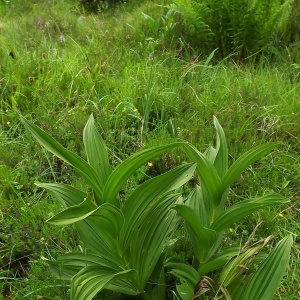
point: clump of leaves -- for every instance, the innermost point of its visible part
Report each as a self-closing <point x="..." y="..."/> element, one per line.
<point x="206" y="220"/>
<point x="125" y="240"/>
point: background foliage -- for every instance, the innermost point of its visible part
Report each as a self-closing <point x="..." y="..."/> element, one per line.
<point x="240" y="27"/>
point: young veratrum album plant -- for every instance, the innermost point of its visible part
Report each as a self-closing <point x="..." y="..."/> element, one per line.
<point x="125" y="240"/>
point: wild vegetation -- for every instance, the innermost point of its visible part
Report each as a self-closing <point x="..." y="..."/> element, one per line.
<point x="142" y="79"/>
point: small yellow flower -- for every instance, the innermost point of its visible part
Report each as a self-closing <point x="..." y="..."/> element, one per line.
<point x="150" y="164"/>
<point x="7" y="110"/>
<point x="230" y="230"/>
<point x="280" y="215"/>
<point x="135" y="109"/>
<point x="7" y="122"/>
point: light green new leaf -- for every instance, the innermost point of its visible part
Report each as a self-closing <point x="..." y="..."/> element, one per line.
<point x="73" y="214"/>
<point x="67" y="195"/>
<point x="79" y="164"/>
<point x="267" y="278"/>
<point x="244" y="161"/>
<point x="92" y="279"/>
<point x="221" y="160"/>
<point x="201" y="205"/>
<point x="209" y="179"/>
<point x="96" y="151"/>
<point x="120" y="175"/>
<point x="242" y="209"/>
<point x="201" y="237"/>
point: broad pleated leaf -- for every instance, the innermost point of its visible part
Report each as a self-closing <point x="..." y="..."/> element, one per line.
<point x="266" y="280"/>
<point x="201" y="205"/>
<point x="244" y="161"/>
<point x="158" y="290"/>
<point x="121" y="174"/>
<point x="109" y="219"/>
<point x="145" y="194"/>
<point x="67" y="195"/>
<point x="99" y="230"/>
<point x="67" y="266"/>
<point x="147" y="241"/>
<point x="92" y="279"/>
<point x="92" y="232"/>
<point x="209" y="179"/>
<point x="96" y="151"/>
<point x="242" y="209"/>
<point x="123" y="286"/>
<point x="73" y="214"/>
<point x="201" y="237"/>
<point x="79" y="164"/>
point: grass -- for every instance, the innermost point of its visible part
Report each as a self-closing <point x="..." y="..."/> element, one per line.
<point x="145" y="87"/>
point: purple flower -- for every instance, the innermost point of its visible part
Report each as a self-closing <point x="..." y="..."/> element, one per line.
<point x="40" y="23"/>
<point x="62" y="38"/>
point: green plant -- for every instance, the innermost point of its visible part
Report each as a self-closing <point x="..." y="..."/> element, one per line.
<point x="240" y="26"/>
<point x="119" y="253"/>
<point x="206" y="219"/>
<point x="124" y="240"/>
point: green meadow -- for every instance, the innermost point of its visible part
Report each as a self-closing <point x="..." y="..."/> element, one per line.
<point x="151" y="74"/>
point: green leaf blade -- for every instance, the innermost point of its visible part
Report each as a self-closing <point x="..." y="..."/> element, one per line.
<point x="244" y="161"/>
<point x="73" y="214"/>
<point x="92" y="279"/>
<point x="96" y="151"/>
<point x="79" y="164"/>
<point x="242" y="209"/>
<point x="221" y="160"/>
<point x="144" y="195"/>
<point x="209" y="179"/>
<point x="266" y="280"/>
<point x="120" y="175"/>
<point x="201" y="237"/>
<point x="67" y="195"/>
